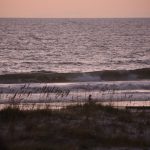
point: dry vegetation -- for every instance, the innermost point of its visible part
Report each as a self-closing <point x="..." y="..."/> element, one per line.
<point x="89" y="126"/>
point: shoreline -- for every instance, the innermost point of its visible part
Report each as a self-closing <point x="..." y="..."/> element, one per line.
<point x="108" y="86"/>
<point x="125" y="105"/>
<point x="118" y="93"/>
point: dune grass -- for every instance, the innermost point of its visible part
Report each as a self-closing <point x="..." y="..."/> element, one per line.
<point x="89" y="126"/>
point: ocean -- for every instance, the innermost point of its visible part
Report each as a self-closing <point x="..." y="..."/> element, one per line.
<point x="94" y="53"/>
<point x="73" y="45"/>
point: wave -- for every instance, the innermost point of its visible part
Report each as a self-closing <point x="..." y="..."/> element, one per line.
<point x="96" y="76"/>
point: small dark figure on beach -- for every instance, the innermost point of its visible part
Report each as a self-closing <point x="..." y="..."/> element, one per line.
<point x="90" y="98"/>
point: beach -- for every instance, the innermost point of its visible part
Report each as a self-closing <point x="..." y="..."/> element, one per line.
<point x="74" y="84"/>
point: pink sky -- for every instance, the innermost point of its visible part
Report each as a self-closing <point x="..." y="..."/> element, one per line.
<point x="74" y="8"/>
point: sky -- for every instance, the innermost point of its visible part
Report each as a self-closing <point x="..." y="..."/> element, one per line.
<point x="74" y="8"/>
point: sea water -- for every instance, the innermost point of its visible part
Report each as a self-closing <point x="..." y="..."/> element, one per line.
<point x="73" y="45"/>
<point x="76" y="45"/>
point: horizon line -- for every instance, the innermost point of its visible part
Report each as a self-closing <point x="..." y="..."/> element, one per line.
<point x="74" y="17"/>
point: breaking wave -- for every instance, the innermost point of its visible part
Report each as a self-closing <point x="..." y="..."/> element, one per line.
<point x="97" y="76"/>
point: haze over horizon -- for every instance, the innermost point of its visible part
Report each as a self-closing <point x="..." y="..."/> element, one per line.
<point x="75" y="9"/>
